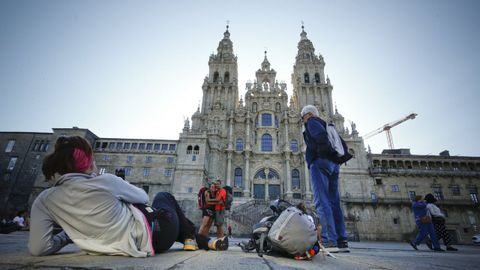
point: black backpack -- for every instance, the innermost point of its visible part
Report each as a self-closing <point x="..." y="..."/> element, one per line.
<point x="229" y="200"/>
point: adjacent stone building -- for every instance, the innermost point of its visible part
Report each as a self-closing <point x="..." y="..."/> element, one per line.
<point x="254" y="143"/>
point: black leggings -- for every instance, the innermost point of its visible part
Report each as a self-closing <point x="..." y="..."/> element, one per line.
<point x="170" y="225"/>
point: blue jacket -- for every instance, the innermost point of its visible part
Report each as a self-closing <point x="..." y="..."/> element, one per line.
<point x="316" y="138"/>
<point x="419" y="210"/>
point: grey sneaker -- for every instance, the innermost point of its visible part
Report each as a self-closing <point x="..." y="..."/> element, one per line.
<point x="343" y="246"/>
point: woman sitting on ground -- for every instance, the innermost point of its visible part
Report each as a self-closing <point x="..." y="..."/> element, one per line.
<point x="101" y="214"/>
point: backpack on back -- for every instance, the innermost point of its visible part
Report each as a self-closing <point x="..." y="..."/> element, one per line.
<point x="338" y="144"/>
<point x="201" y="200"/>
<point x="229" y="200"/>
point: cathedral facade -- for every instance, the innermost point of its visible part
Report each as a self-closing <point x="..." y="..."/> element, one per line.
<point x="255" y="145"/>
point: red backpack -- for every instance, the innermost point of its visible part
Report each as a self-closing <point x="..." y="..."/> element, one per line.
<point x="201" y="201"/>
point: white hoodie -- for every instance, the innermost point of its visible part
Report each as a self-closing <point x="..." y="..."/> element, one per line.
<point x="95" y="212"/>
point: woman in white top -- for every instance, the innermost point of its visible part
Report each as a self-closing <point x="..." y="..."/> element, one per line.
<point x="438" y="220"/>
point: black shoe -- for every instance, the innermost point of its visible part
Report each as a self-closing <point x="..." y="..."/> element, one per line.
<point x="343" y="246"/>
<point x="450" y="248"/>
<point x="221" y="244"/>
<point x="428" y="242"/>
<point x="438" y="249"/>
<point x="413" y="245"/>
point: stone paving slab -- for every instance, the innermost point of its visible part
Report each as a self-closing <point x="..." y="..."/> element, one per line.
<point x="364" y="255"/>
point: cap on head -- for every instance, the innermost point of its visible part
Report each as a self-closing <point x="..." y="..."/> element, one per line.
<point x="309" y="109"/>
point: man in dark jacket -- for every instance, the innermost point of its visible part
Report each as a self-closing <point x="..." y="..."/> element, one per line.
<point x="324" y="174"/>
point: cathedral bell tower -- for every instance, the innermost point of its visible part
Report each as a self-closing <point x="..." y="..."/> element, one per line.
<point x="308" y="79"/>
<point x="220" y="87"/>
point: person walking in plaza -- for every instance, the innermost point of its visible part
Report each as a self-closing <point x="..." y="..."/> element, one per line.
<point x="424" y="224"/>
<point x="324" y="176"/>
<point x="438" y="220"/>
<point x="101" y="214"/>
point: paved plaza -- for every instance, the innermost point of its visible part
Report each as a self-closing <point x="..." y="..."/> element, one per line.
<point x="363" y="255"/>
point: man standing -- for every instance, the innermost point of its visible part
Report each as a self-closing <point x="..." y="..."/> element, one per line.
<point x="324" y="176"/>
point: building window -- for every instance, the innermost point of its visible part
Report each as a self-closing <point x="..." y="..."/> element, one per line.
<point x="11" y="164"/>
<point x="227" y="77"/>
<point x="102" y="170"/>
<point x="456" y="190"/>
<point x="438" y="193"/>
<point x="172" y="147"/>
<point x="168" y="172"/>
<point x="412" y="195"/>
<point x="189" y="149"/>
<point x="111" y="146"/>
<point x="373" y="196"/>
<point x="146" y="171"/>
<point x="129" y="159"/>
<point x="474" y="197"/>
<point x="128" y="171"/>
<point x="146" y="189"/>
<point x="126" y="146"/>
<point x="317" y="78"/>
<point x="396" y="220"/>
<point x="119" y="146"/>
<point x="266" y="120"/>
<point x="378" y="181"/>
<point x="10" y="145"/>
<point x="294" y="146"/>
<point x="215" y="76"/>
<point x="239" y="145"/>
<point x="194" y="158"/>
<point x="395" y="188"/>
<point x="237" y="182"/>
<point x="134" y="146"/>
<point x="196" y="150"/>
<point x="170" y="160"/>
<point x="297" y="195"/>
<point x="141" y="146"/>
<point x="254" y="107"/>
<point x="106" y="158"/>
<point x="190" y="189"/>
<point x="237" y="194"/>
<point x="149" y="146"/>
<point x="306" y="77"/>
<point x="156" y="147"/>
<point x="295" y="179"/>
<point x="36" y="145"/>
<point x="148" y="159"/>
<point x="164" y="147"/>
<point x="266" y="142"/>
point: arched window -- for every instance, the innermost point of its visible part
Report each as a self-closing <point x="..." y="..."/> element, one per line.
<point x="266" y="119"/>
<point x="239" y="145"/>
<point x="277" y="107"/>
<point x="261" y="174"/>
<point x="254" y="107"/>
<point x="189" y="149"/>
<point x="317" y="78"/>
<point x="227" y="77"/>
<point x="273" y="174"/>
<point x="295" y="179"/>
<point x="196" y="150"/>
<point x="266" y="142"/>
<point x="306" y="77"/>
<point x="294" y="146"/>
<point x="237" y="182"/>
<point x="215" y="76"/>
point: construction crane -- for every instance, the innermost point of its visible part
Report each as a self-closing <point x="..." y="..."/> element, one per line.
<point x="388" y="127"/>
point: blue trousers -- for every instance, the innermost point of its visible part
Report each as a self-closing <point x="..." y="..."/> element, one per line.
<point x="324" y="175"/>
<point x="423" y="230"/>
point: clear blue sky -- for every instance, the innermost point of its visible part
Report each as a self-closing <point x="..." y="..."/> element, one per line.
<point x="134" y="69"/>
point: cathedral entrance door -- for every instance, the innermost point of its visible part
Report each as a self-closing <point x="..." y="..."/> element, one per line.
<point x="259" y="191"/>
<point x="274" y="192"/>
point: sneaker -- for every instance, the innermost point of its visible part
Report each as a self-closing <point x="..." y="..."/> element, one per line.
<point x="190" y="245"/>
<point x="450" y="248"/>
<point x="331" y="248"/>
<point x="343" y="246"/>
<point x="219" y="244"/>
<point x="428" y="242"/>
<point x="413" y="245"/>
<point x="438" y="249"/>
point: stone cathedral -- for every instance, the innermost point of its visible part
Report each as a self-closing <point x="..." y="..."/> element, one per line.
<point x="253" y="142"/>
<point x="256" y="144"/>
